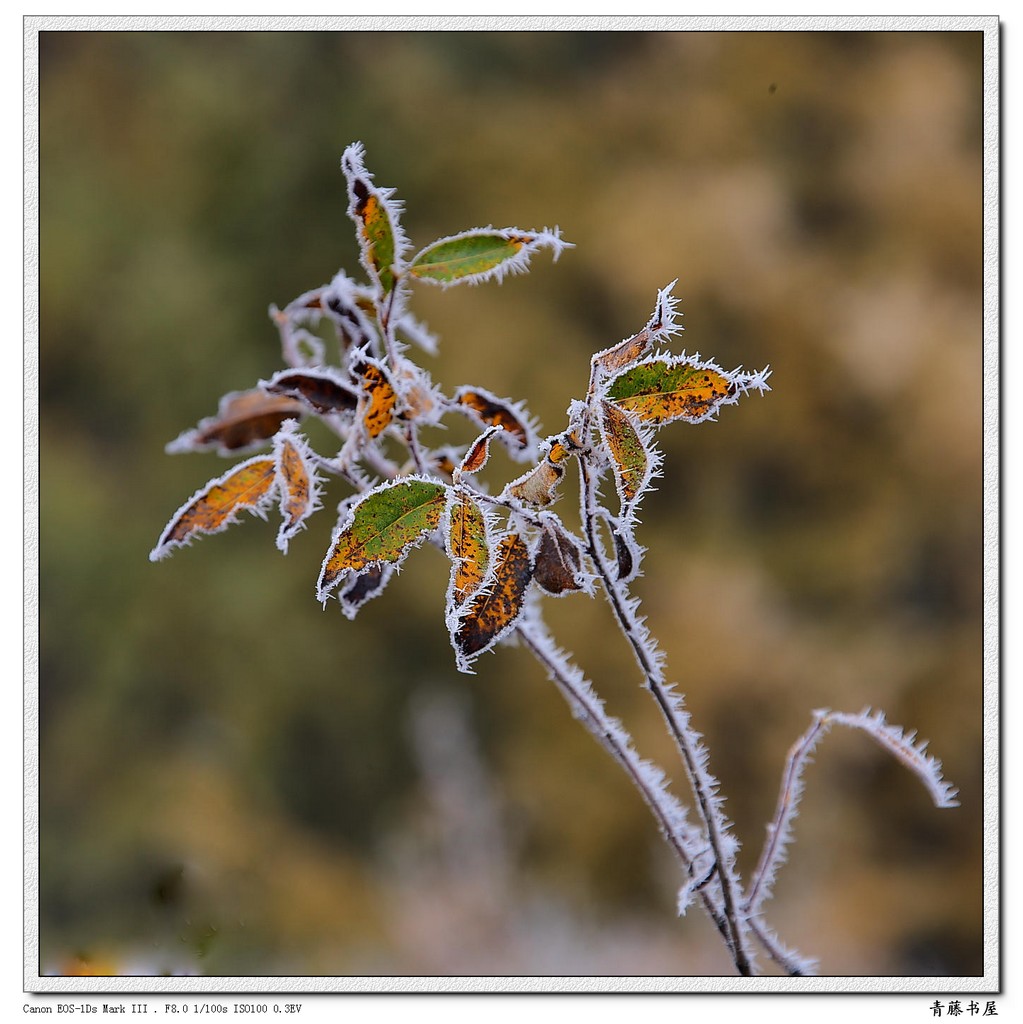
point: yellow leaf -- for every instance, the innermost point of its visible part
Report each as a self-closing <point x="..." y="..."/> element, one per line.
<point x="378" y="398"/>
<point x="214" y="507"/>
<point x="467" y="545"/>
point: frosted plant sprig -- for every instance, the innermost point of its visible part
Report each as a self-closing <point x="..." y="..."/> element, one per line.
<point x="509" y="550"/>
<point x="780" y="829"/>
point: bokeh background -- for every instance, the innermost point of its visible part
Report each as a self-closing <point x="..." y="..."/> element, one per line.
<point x="234" y="782"/>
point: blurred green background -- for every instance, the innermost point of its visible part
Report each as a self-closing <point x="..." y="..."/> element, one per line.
<point x="234" y="782"/>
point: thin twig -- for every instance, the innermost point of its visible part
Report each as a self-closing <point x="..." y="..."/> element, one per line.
<point x="687" y="744"/>
<point x="686" y="842"/>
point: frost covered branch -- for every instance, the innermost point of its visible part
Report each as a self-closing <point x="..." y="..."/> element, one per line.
<point x="509" y="551"/>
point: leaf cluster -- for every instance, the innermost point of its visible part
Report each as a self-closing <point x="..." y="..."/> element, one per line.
<point x="378" y="401"/>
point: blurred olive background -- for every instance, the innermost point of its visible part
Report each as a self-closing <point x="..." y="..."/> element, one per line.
<point x="235" y="782"/>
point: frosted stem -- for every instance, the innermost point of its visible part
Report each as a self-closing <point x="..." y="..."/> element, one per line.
<point x="780" y="829"/>
<point x="693" y="754"/>
<point x="687" y="842"/>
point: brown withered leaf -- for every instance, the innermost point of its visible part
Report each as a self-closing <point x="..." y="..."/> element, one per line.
<point x="245" y="420"/>
<point x="321" y="390"/>
<point x="344" y="302"/>
<point x="215" y="506"/>
<point x="557" y="562"/>
<point x="421" y="401"/>
<point x="625" y="352"/>
<point x="540" y="485"/>
<point x="364" y="586"/>
<point x="312" y="299"/>
<point x="626" y="552"/>
<point x="486" y="617"/>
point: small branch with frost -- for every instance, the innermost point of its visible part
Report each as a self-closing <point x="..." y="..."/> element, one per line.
<point x="780" y="829"/>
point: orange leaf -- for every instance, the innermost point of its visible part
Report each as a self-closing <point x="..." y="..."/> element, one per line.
<point x="378" y="398"/>
<point x="443" y="462"/>
<point x="489" y="411"/>
<point x="298" y="483"/>
<point x="478" y="453"/>
<point x="214" y="507"/>
<point x="485" y="618"/>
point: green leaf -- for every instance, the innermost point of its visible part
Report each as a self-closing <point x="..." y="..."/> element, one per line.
<point x="632" y="461"/>
<point x="377" y="220"/>
<point x="480" y="254"/>
<point x="666" y="389"/>
<point x="383" y="527"/>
